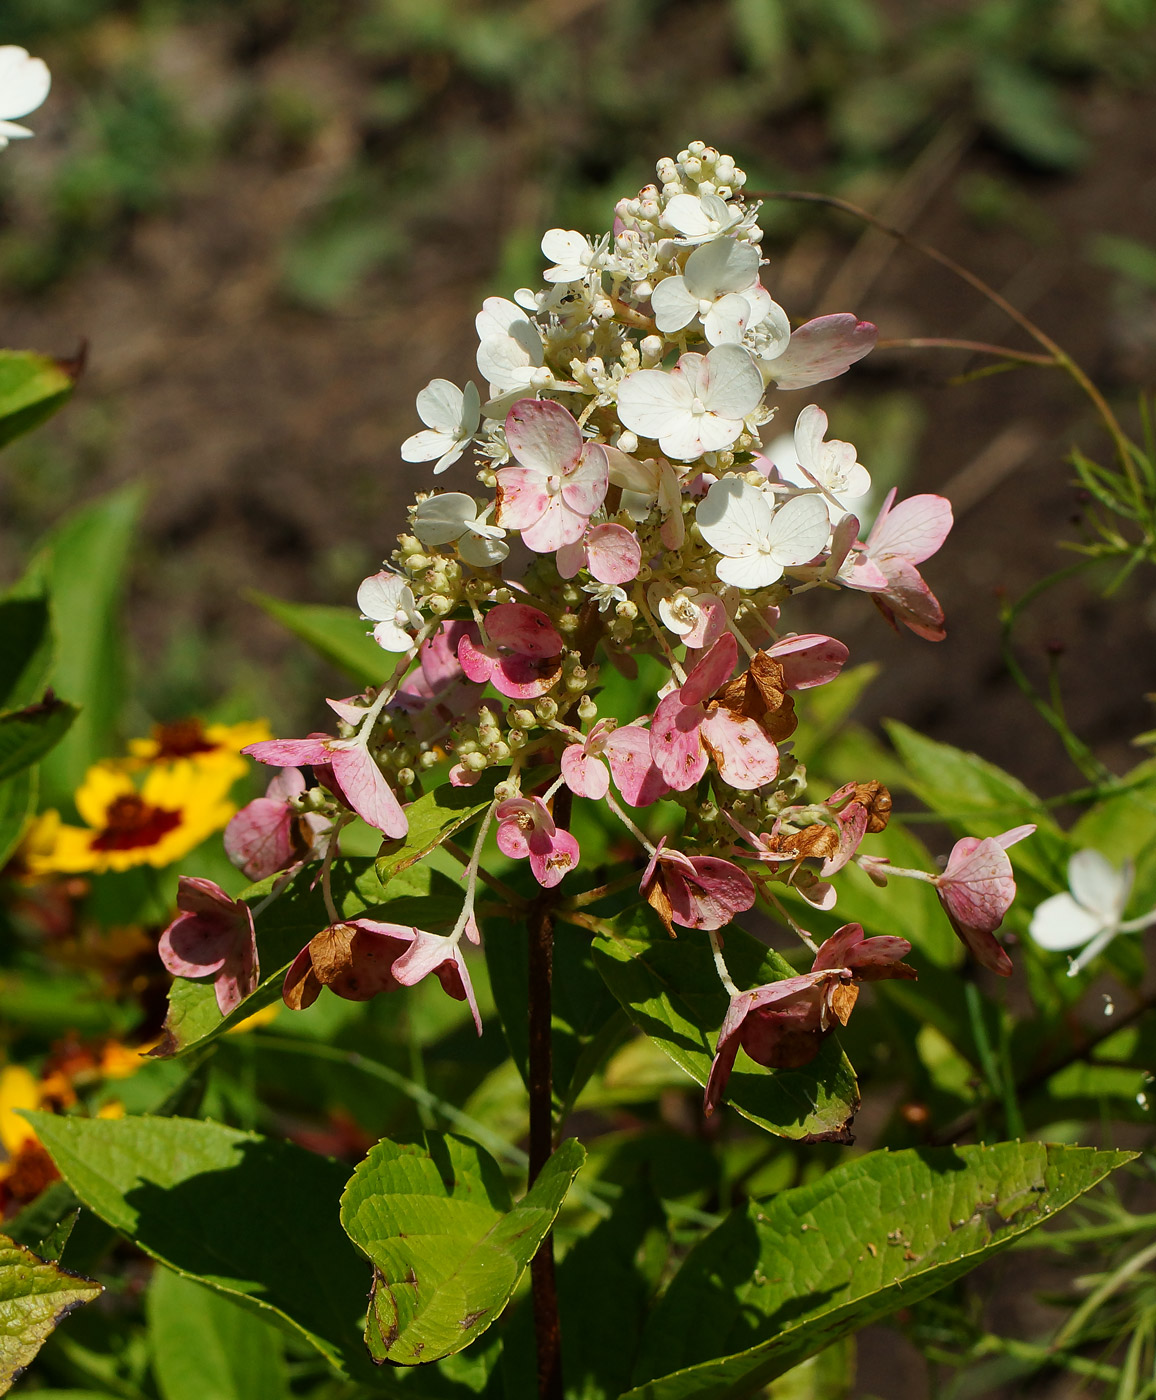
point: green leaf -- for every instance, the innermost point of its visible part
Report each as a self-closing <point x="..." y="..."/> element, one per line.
<point x="205" y="1347"/>
<point x="26" y="650"/>
<point x="34" y="1298"/>
<point x="669" y="988"/>
<point x="433" y="818"/>
<point x="447" y="1244"/>
<point x="1025" y="111"/>
<point x="978" y="799"/>
<point x="83" y="564"/>
<point x="32" y="388"/>
<point x="45" y="1223"/>
<point x="779" y="1280"/>
<point x="250" y="1217"/>
<point x="337" y="634"/>
<point x="27" y="735"/>
<point x="17" y="805"/>
<point x="194" y="1019"/>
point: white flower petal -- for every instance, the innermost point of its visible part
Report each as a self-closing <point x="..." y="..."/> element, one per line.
<point x="381" y="596"/>
<point x="427" y="446"/>
<point x="674" y="306"/>
<point x="735" y="518"/>
<point x="443" y="518"/>
<point x="1098" y="885"/>
<point x="727" y="319"/>
<point x="1059" y="923"/>
<point x="730" y="385"/>
<point x="439" y="406"/>
<point x="24" y="83"/>
<point x="482" y="550"/>
<point x="650" y="401"/>
<point x="723" y="265"/>
<point x="755" y="571"/>
<point x="800" y="530"/>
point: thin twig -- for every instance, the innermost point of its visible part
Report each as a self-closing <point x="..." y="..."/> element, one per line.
<point x="977" y="347"/>
<point x="511" y="896"/>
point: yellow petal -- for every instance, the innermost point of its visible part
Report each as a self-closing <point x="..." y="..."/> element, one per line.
<point x="18" y="1089"/>
<point x="103" y="784"/>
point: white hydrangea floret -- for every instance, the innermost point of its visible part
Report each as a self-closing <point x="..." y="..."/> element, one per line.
<point x="573" y="255"/>
<point x="756" y="541"/>
<point x="1092" y="914"/>
<point x="451" y="416"/>
<point x="24" y="84"/>
<point x="387" y="600"/>
<point x="454" y="518"/>
<point x="806" y="460"/>
<point x="720" y="287"/>
<point x="510" y="351"/>
<point x="699" y="406"/>
<point x="699" y="218"/>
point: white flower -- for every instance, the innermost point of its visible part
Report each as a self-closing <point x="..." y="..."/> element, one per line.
<point x="697" y="407"/>
<point x="24" y="84"/>
<point x="757" y="542"/>
<point x="452" y="417"/>
<point x="701" y="217"/>
<point x="510" y="351"/>
<point x="454" y="517"/>
<point x="1092" y="914"/>
<point x="645" y="485"/>
<point x="387" y="600"/>
<point x="720" y="287"/>
<point x="604" y="593"/>
<point x="809" y="461"/>
<point x="574" y="256"/>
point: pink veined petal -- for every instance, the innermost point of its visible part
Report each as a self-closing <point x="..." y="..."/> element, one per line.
<point x="347" y="710"/>
<point x="914" y="529"/>
<point x="439" y="656"/>
<point x="726" y="1049"/>
<point x="525" y="677"/>
<point x="809" y="659"/>
<point x="584" y="488"/>
<point x="614" y="554"/>
<point x="289" y="782"/>
<point x="745" y="757"/>
<point x="259" y="838"/>
<point x="585" y="775"/>
<point x="543" y="435"/>
<point x="711" y="895"/>
<point x="852" y="828"/>
<point x="366" y="790"/>
<point x="290" y="753"/>
<point x="190" y="948"/>
<point x="675" y="743"/>
<point x="238" y="978"/>
<point x="822" y="349"/>
<point x="522" y="497"/>
<point x="977" y="886"/>
<point x="477" y="664"/>
<point x="713" y="670"/>
<point x="523" y="629"/>
<point x="865" y="575"/>
<point x="910" y="599"/>
<point x="983" y="946"/>
<point x="570" y="558"/>
<point x="636" y="776"/>
<point x="552" y="864"/>
<point x="710" y="624"/>
<point x="558" y="526"/>
<point x="512" y="840"/>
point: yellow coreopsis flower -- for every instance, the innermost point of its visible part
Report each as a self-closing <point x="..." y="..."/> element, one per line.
<point x="177" y="806"/>
<point x="208" y="745"/>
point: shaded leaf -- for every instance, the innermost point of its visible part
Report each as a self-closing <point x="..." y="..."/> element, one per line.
<point x="669" y="988"/>
<point x="34" y="1297"/>
<point x="83" y="565"/>
<point x="26" y="650"/>
<point x="1025" y="111"/>
<point x="32" y="388"/>
<point x="337" y="634"/>
<point x="433" y="818"/>
<point x="27" y="735"/>
<point x="227" y="1209"/>
<point x="779" y="1280"/>
<point x="17" y="805"/>
<point x="205" y="1347"/>
<point x="447" y="1244"/>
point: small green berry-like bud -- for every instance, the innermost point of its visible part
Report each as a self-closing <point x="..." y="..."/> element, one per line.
<point x="546" y="709"/>
<point x="475" y="762"/>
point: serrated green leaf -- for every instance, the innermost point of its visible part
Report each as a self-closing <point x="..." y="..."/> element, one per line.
<point x="780" y="1280"/>
<point x="446" y="1243"/>
<point x="669" y="988"/>
<point x="205" y="1347"/>
<point x="32" y="388"/>
<point x="27" y="735"/>
<point x="17" y="805"/>
<point x="433" y="818"/>
<point x="34" y="1297"/>
<point x="251" y="1217"/>
<point x="194" y="1019"/>
<point x="83" y="565"/>
<point x="337" y="634"/>
<point x="26" y="650"/>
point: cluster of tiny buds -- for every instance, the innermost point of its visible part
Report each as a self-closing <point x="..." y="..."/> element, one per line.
<point x="703" y="168"/>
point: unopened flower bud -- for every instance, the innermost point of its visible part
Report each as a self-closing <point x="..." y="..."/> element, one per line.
<point x="429" y="759"/>
<point x="517" y="739"/>
<point x="542" y="378"/>
<point x="546" y="709"/>
<point x="406" y="777"/>
<point x="627" y="442"/>
<point x="439" y="604"/>
<point x="505" y="790"/>
<point x="522" y="717"/>
<point x="627" y="610"/>
<point x="587" y="709"/>
<point x="475" y="762"/>
<point x="651" y="348"/>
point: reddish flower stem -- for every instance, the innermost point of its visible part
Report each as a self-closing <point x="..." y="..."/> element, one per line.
<point x="547" y="1329"/>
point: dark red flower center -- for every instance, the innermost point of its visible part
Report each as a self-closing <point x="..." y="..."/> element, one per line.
<point x="131" y="822"/>
<point x="181" y="739"/>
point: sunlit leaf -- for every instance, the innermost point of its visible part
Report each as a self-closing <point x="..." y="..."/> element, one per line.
<point x="34" y="1297"/>
<point x="32" y="388"/>
<point x="337" y="634"/>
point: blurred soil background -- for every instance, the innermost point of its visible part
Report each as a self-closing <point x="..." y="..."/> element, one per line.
<point x="273" y="223"/>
